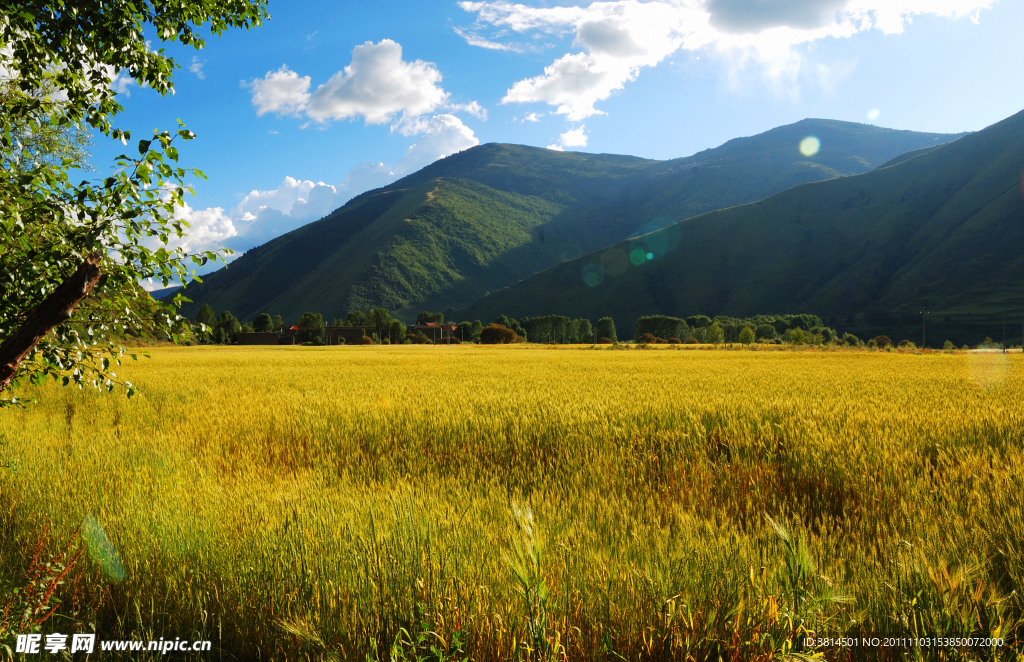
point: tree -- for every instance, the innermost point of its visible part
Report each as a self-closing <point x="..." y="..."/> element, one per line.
<point x="746" y="335"/>
<point x="765" y="332"/>
<point x="278" y="323"/>
<point x="263" y="323"/>
<point x="355" y="318"/>
<point x="428" y="318"/>
<point x="948" y="346"/>
<point x="581" y="331"/>
<point x="396" y="331"/>
<point x="605" y="328"/>
<point x="511" y="323"/>
<point x="379" y="321"/>
<point x="661" y="326"/>
<point x="851" y="340"/>
<point x="715" y="335"/>
<point x="206" y="315"/>
<point x="205" y="319"/>
<point x="225" y="328"/>
<point x="72" y="255"/>
<point x="469" y="331"/>
<point x="311" y="328"/>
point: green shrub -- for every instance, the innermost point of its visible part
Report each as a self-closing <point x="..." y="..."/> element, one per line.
<point x="418" y="338"/>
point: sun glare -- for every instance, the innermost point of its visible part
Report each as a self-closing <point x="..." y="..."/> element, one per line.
<point x="873" y="114"/>
<point x="809" y="146"/>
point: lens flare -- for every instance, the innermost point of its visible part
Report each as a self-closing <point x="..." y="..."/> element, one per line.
<point x="809" y="146"/>
<point x="614" y="262"/>
<point x="101" y="550"/>
<point x="637" y="256"/>
<point x="988" y="370"/>
<point x="873" y="114"/>
<point x="650" y="256"/>
<point x="593" y="274"/>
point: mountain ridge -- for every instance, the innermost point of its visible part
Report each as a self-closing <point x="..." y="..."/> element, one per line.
<point x="526" y="209"/>
<point x="934" y="229"/>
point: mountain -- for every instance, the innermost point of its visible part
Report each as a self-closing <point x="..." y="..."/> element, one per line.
<point x="940" y="227"/>
<point x="492" y="215"/>
<point x="165" y="293"/>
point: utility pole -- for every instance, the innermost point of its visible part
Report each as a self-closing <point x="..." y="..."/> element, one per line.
<point x="924" y="312"/>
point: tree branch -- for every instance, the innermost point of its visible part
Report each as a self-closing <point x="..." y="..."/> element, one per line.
<point x="55" y="309"/>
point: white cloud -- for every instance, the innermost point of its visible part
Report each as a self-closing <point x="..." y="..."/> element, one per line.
<point x="442" y="135"/>
<point x="473" y="108"/>
<point x="367" y="176"/>
<point x="756" y="15"/>
<point x="533" y="117"/>
<point x="208" y="228"/>
<point x="474" y="39"/>
<point x="197" y="67"/>
<point x="572" y="138"/>
<point x="264" y="214"/>
<point x="283" y="92"/>
<point x="120" y="83"/>
<point x="377" y="86"/>
<point x="617" y="39"/>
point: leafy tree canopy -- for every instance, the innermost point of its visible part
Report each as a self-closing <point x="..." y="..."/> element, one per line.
<point x="72" y="254"/>
<point x="605" y="328"/>
<point x="311" y="328"/>
<point x="263" y="323"/>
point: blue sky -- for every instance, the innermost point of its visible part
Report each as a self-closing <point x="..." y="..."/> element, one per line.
<point x="329" y="99"/>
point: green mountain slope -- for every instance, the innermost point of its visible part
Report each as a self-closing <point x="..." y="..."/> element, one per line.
<point x="488" y="217"/>
<point x="942" y="228"/>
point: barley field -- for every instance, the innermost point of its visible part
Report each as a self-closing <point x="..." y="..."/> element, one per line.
<point x="531" y="503"/>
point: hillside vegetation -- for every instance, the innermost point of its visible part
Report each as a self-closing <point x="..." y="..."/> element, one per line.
<point x="940" y="229"/>
<point x="488" y="217"/>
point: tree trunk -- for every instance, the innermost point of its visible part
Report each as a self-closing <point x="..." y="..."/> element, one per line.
<point x="55" y="309"/>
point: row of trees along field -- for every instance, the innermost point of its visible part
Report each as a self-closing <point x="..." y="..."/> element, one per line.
<point x="800" y="329"/>
<point x="383" y="328"/>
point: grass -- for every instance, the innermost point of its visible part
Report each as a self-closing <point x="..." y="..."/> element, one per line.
<point x="530" y="503"/>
